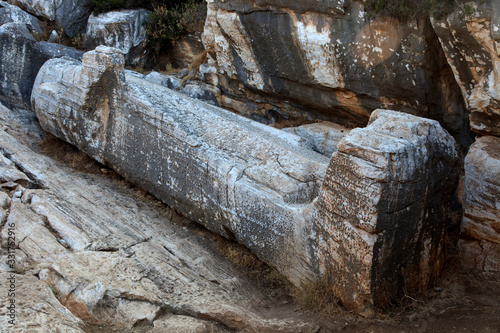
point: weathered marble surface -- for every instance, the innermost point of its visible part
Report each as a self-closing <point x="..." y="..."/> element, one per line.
<point x="265" y="187"/>
<point x="113" y="256"/>
<point x="333" y="60"/>
<point x="9" y="13"/>
<point x="121" y="29"/>
<point x="323" y="137"/>
<point x="21" y="56"/>
<point x="37" y="309"/>
<point x="472" y="47"/>
<point x="481" y="203"/>
<point x="71" y="15"/>
<point x="381" y="213"/>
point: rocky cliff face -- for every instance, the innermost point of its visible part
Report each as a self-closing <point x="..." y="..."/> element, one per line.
<point x="472" y="47"/>
<point x="334" y="60"/>
<point x="123" y="30"/>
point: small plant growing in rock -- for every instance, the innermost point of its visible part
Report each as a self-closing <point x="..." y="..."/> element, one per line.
<point x="78" y="41"/>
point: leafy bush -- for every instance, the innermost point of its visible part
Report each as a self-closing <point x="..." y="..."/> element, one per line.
<point x="169" y="19"/>
<point x="166" y="23"/>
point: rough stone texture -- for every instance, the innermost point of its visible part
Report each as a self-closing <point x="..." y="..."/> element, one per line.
<point x="332" y="60"/>
<point x="381" y="213"/>
<point x="260" y="185"/>
<point x="481" y="203"/>
<point x="237" y="177"/>
<point x="323" y="137"/>
<point x="122" y="29"/>
<point x="169" y="81"/>
<point x="184" y="50"/>
<point x="479" y="256"/>
<point x="200" y="92"/>
<point x="183" y="324"/>
<point x="126" y="257"/>
<point x="21" y="56"/>
<point x="472" y="47"/>
<point x="9" y="13"/>
<point x="37" y="309"/>
<point x="71" y="15"/>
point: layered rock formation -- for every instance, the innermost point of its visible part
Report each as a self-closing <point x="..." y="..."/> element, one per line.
<point x="264" y="187"/>
<point x="472" y="47"/>
<point x="123" y="30"/>
<point x="471" y="43"/>
<point x="481" y="202"/>
<point x="333" y="61"/>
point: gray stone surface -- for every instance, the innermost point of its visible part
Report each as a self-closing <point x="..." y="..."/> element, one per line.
<point x="168" y="81"/>
<point x="113" y="255"/>
<point x="21" y="56"/>
<point x="323" y="137"/>
<point x="121" y="29"/>
<point x="472" y="47"/>
<point x="382" y="209"/>
<point x="334" y="62"/>
<point x="71" y="15"/>
<point x="183" y="324"/>
<point x="200" y="92"/>
<point x="9" y="13"/>
<point x="264" y="187"/>
<point x="481" y="202"/>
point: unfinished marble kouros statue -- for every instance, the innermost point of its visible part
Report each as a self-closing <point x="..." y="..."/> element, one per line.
<point x="372" y="219"/>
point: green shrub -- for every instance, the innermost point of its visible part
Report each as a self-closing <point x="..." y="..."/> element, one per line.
<point x="166" y="23"/>
<point x="169" y="19"/>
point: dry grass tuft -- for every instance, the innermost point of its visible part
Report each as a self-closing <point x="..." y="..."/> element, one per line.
<point x="194" y="67"/>
<point x="69" y="155"/>
<point x="264" y="275"/>
<point x="317" y="296"/>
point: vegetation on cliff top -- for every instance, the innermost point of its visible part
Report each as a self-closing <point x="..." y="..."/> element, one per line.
<point x="169" y="18"/>
<point x="415" y="8"/>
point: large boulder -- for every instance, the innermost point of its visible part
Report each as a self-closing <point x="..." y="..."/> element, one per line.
<point x="71" y="15"/>
<point x="266" y="188"/>
<point x="332" y="60"/>
<point x="9" y="13"/>
<point x="21" y="56"/>
<point x="122" y="29"/>
<point x="472" y="46"/>
<point x="382" y="210"/>
<point x="481" y="203"/>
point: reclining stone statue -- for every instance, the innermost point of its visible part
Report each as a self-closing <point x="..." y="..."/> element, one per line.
<point x="371" y="220"/>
